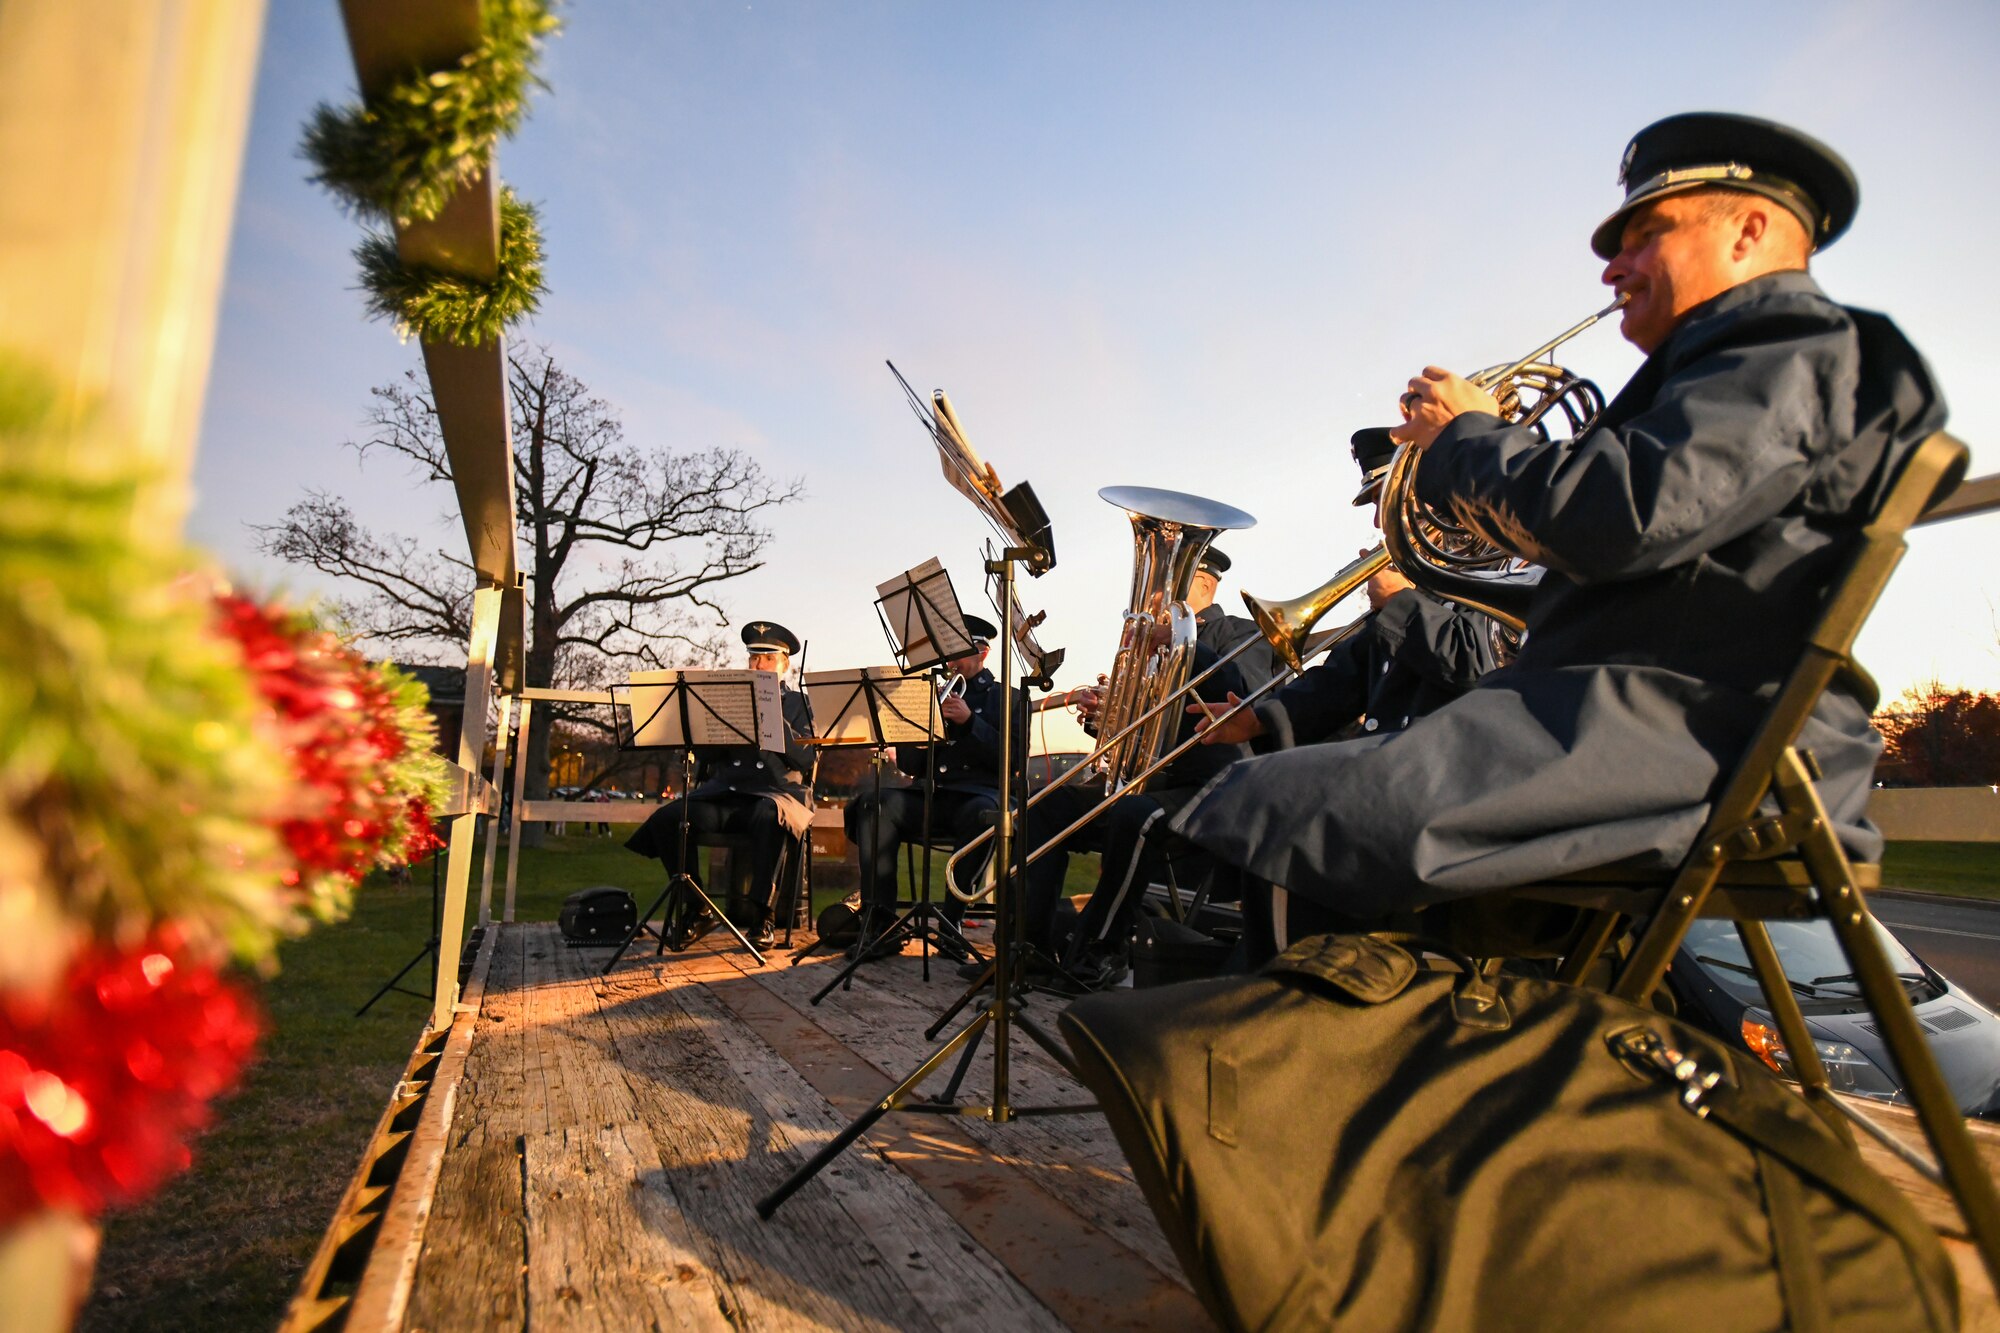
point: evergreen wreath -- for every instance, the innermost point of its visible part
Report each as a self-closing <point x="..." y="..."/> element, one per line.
<point x="440" y="306"/>
<point x="136" y="768"/>
<point x="401" y="152"/>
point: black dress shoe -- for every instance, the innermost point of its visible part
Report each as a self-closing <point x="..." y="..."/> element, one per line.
<point x="949" y="942"/>
<point x="691" y="929"/>
<point x="762" y="936"/>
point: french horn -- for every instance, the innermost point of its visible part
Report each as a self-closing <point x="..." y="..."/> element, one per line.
<point x="1449" y="554"/>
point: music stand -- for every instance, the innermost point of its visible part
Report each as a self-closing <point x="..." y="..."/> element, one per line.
<point x="706" y="713"/>
<point x="1028" y="543"/>
<point x="921" y="616"/>
<point x="894" y="709"/>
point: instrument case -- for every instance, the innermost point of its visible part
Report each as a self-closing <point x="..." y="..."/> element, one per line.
<point x="603" y="914"/>
<point x="1353" y="1140"/>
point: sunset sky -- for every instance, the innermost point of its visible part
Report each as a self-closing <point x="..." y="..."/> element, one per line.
<point x="1189" y="246"/>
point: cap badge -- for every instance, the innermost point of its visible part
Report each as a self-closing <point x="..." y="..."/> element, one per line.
<point x="1625" y="163"/>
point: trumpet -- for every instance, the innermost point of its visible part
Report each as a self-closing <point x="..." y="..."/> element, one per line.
<point x="953" y="688"/>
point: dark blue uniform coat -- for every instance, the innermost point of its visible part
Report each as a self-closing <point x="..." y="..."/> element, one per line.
<point x="1690" y="537"/>
<point x="1409" y="658"/>
<point x="1219" y="632"/>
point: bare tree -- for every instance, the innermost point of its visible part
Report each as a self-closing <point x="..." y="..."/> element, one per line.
<point x="625" y="547"/>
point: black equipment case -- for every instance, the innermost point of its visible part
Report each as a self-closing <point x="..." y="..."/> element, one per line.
<point x="603" y="914"/>
<point x="1351" y="1140"/>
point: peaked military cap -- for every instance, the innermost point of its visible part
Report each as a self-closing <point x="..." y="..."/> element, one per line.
<point x="764" y="636"/>
<point x="1215" y="561"/>
<point x="981" y="631"/>
<point x="1373" y="452"/>
<point x="1715" y="148"/>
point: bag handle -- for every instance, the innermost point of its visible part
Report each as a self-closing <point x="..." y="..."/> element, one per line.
<point x="1377" y="967"/>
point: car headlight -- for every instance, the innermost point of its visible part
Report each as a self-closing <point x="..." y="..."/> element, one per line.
<point x="1847" y="1069"/>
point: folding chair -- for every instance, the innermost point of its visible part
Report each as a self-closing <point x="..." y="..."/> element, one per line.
<point x="1751" y="866"/>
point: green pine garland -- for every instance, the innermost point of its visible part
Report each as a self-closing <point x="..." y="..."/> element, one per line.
<point x="136" y="782"/>
<point x="420" y="775"/>
<point x="440" y="306"/>
<point x="401" y="153"/>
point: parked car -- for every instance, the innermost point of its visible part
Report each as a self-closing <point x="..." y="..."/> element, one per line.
<point x="1717" y="989"/>
<point x="1046" y="768"/>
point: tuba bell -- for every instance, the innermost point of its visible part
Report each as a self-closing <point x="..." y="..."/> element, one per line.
<point x="1170" y="533"/>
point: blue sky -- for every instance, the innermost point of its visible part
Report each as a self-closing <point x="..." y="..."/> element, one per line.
<point x="1179" y="245"/>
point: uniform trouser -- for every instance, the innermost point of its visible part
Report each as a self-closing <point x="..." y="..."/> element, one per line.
<point x="880" y="825"/>
<point x="1127" y="836"/>
<point x="745" y="816"/>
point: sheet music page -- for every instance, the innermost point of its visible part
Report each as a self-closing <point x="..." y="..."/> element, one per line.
<point x="736" y="706"/>
<point x="656" y="715"/>
<point x="920" y="603"/>
<point x="841" y="708"/>
<point x="730" y="705"/>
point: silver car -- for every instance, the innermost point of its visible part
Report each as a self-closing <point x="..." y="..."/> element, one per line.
<point x="1717" y="989"/>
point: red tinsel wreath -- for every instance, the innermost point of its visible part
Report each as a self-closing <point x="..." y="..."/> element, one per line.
<point x="102" y="1083"/>
<point x="338" y="720"/>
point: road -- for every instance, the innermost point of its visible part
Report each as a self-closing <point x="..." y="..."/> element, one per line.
<point x="1959" y="939"/>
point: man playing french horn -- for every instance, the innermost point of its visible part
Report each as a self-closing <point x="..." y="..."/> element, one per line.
<point x="1689" y="536"/>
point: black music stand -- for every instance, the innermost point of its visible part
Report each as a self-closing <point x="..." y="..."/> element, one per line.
<point x="893" y="720"/>
<point x="430" y="948"/>
<point x="1002" y="1011"/>
<point x="726" y="716"/>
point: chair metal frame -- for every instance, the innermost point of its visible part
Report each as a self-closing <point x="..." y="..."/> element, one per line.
<point x="1751" y="865"/>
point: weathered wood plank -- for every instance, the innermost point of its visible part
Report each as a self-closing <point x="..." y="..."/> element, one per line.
<point x="954" y="1281"/>
<point x="469" y="1274"/>
<point x="1075" y="1158"/>
<point x="604" y="1251"/>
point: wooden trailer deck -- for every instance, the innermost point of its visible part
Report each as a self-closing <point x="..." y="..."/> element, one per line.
<point x="610" y="1137"/>
<point x="586" y="1152"/>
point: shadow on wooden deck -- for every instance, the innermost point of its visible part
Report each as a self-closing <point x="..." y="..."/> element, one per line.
<point x="611" y="1136"/>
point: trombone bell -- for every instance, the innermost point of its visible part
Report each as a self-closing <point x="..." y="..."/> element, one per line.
<point x="1287" y="625"/>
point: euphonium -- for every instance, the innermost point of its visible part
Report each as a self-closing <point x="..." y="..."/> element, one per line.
<point x="1447" y="555"/>
<point x="1170" y="532"/>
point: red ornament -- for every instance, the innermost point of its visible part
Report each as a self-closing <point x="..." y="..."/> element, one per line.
<point x="337" y="717"/>
<point x="102" y="1084"/>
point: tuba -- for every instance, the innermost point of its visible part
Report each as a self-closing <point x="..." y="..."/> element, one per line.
<point x="1170" y="533"/>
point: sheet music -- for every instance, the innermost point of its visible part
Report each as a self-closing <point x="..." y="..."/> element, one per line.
<point x="842" y="711"/>
<point x="923" y="614"/>
<point x="969" y="474"/>
<point x="734" y="707"/>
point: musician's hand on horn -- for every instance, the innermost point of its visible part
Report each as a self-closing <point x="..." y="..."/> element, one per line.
<point x="1236" y="730"/>
<point x="954" y="708"/>
<point x="1434" y="398"/>
<point x="1387" y="582"/>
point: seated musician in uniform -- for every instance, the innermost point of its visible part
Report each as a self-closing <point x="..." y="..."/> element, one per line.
<point x="966" y="792"/>
<point x="1412" y="653"/>
<point x="764" y="796"/>
<point x="1096" y="952"/>
<point x="1689" y="536"/>
<point x="1219" y="631"/>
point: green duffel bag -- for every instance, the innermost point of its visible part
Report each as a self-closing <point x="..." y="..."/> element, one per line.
<point x="1353" y="1141"/>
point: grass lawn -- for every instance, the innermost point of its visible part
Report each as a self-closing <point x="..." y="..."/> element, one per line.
<point x="224" y="1245"/>
<point x="1962" y="869"/>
